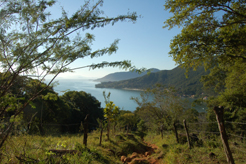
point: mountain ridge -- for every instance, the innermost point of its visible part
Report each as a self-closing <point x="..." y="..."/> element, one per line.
<point x="175" y="77"/>
<point x="119" y="76"/>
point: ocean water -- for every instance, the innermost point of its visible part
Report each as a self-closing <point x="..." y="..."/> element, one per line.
<point x="120" y="97"/>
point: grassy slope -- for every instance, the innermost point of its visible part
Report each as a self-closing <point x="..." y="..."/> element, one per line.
<point x="180" y="153"/>
<point x="29" y="148"/>
<point x="35" y="149"/>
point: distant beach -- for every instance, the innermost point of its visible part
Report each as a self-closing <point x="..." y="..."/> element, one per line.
<point x="133" y="89"/>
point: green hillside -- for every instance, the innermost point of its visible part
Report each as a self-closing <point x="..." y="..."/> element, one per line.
<point x="175" y="77"/>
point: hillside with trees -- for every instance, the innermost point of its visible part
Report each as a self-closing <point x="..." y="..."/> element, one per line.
<point x="176" y="77"/>
<point x="38" y="126"/>
<point x="118" y="76"/>
<point x="74" y="129"/>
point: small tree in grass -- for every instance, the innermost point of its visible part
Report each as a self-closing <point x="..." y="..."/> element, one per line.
<point x="142" y="128"/>
<point x="165" y="109"/>
<point x="128" y="120"/>
<point x="110" y="113"/>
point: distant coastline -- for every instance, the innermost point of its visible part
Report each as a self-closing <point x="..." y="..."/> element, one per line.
<point x="133" y="89"/>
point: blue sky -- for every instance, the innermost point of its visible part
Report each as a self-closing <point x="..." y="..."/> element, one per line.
<point x="145" y="42"/>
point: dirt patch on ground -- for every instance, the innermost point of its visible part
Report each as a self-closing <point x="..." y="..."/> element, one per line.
<point x="145" y="157"/>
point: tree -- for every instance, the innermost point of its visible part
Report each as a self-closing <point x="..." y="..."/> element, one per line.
<point x="214" y="35"/>
<point x="213" y="32"/>
<point x="110" y="113"/>
<point x="44" y="109"/>
<point x="141" y="129"/>
<point x="32" y="44"/>
<point x="128" y="120"/>
<point x="82" y="104"/>
<point x="165" y="110"/>
<point x="47" y="108"/>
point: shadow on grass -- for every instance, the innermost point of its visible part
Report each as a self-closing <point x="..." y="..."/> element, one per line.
<point x="113" y="142"/>
<point x="99" y="157"/>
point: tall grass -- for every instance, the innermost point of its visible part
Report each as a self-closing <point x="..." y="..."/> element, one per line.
<point x="176" y="153"/>
<point x="35" y="149"/>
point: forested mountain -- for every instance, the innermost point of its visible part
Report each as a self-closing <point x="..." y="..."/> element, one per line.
<point x="118" y="76"/>
<point x="175" y="77"/>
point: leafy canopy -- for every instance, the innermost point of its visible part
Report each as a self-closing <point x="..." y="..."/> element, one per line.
<point x="213" y="32"/>
<point x="111" y="111"/>
<point x="214" y="35"/>
<point x="32" y="44"/>
<point x="161" y="106"/>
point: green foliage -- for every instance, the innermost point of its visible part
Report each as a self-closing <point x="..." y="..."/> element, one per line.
<point x="213" y="33"/>
<point x="33" y="45"/>
<point x="80" y="147"/>
<point x="71" y="108"/>
<point x="127" y="120"/>
<point x="50" y="96"/>
<point x="111" y="111"/>
<point x="234" y="95"/>
<point x="165" y="109"/>
<point x="175" y="78"/>
<point x="81" y="104"/>
<point x="191" y="115"/>
<point x="229" y="117"/>
<point x="106" y="98"/>
<point x="35" y="149"/>
<point x="240" y="117"/>
<point x="141" y="129"/>
<point x="173" y="152"/>
<point x="206" y="35"/>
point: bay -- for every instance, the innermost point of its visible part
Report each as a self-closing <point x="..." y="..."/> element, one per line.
<point x="120" y="97"/>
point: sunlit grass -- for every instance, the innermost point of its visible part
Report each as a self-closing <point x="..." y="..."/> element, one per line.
<point x="31" y="148"/>
<point x="180" y="153"/>
<point x="34" y="148"/>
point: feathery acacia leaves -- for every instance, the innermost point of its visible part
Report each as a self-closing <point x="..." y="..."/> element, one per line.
<point x="32" y="44"/>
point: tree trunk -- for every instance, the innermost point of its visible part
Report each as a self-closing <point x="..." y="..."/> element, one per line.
<point x="41" y="129"/>
<point x="161" y="131"/>
<point x="242" y="134"/>
<point x="108" y="129"/>
<point x="114" y="126"/>
<point x="176" y="133"/>
<point x="85" y="130"/>
<point x="219" y="111"/>
<point x="6" y="134"/>
<point x="187" y="134"/>
<point x="101" y="126"/>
